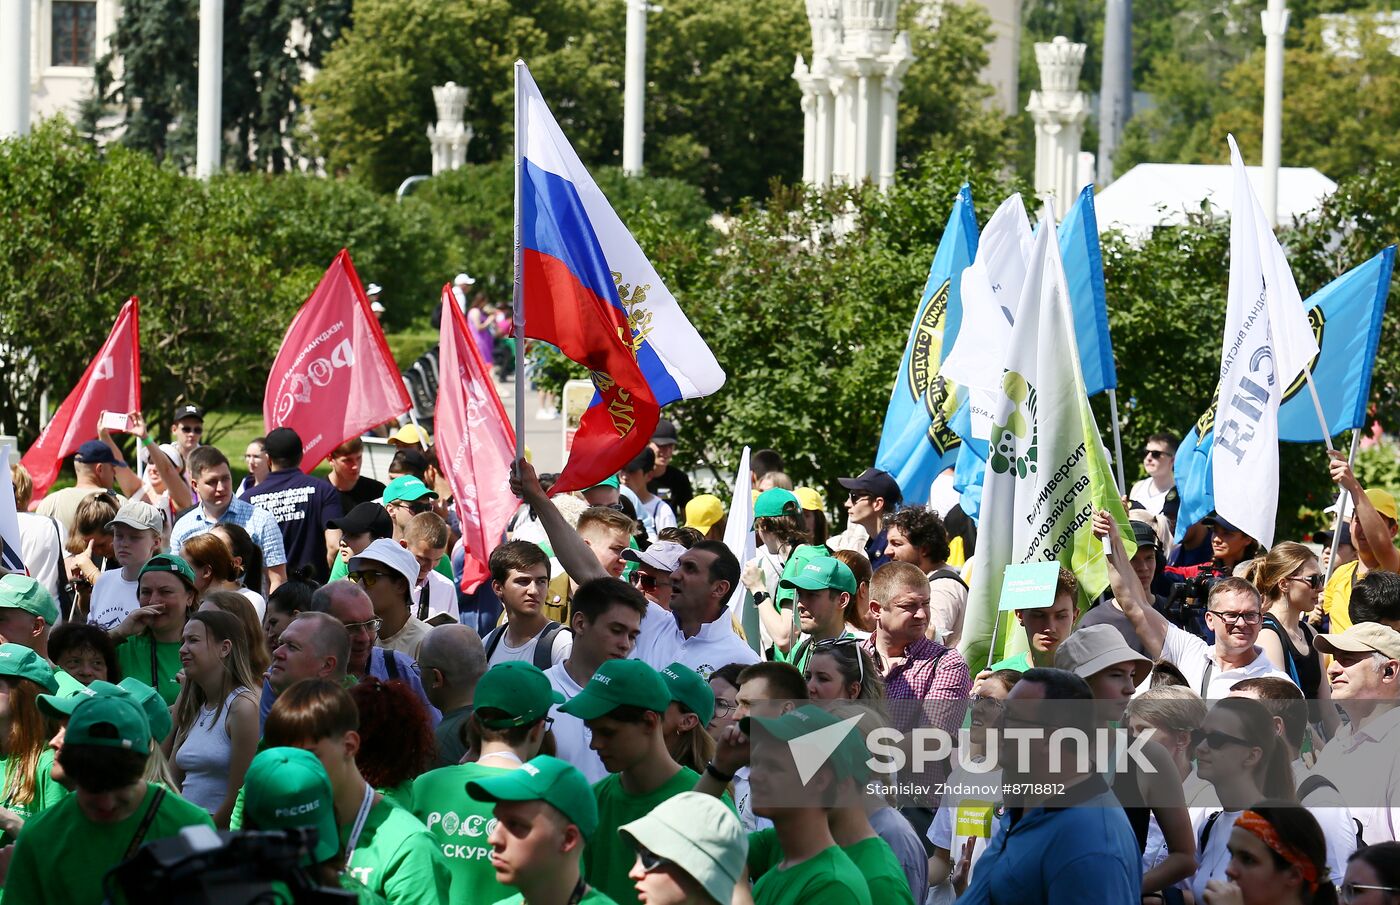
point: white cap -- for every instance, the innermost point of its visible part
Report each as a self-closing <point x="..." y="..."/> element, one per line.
<point x="376" y="307"/>
<point x="463" y="279"/>
<point x="174" y="453"/>
<point x="373" y="289"/>
<point x="664" y="555"/>
<point x="388" y="552"/>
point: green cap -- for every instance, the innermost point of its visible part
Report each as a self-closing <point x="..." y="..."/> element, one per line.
<point x="169" y="562"/>
<point x="555" y="782"/>
<point x="609" y="481"/>
<point x="20" y="592"/>
<point x="850" y="754"/>
<point x="152" y="704"/>
<point x="775" y="502"/>
<point x="619" y="683"/>
<point x="71" y="693"/>
<point x="406" y="487"/>
<point x="20" y="662"/>
<point x="518" y="689"/>
<point x="287" y="788"/>
<point x="690" y="691"/>
<point x="109" y="722"/>
<point x="822" y="573"/>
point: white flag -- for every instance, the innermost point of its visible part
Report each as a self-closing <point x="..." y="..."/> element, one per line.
<point x="1267" y="343"/>
<point x="991" y="291"/>
<point x="11" y="556"/>
<point x="738" y="537"/>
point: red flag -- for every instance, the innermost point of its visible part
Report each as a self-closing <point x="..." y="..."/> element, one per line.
<point x="111" y="383"/>
<point x="475" y="443"/>
<point x="334" y="377"/>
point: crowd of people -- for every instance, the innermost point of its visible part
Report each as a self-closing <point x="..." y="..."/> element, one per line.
<point x="297" y="654"/>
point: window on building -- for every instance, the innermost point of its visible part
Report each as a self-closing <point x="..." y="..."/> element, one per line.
<point x="74" y="33"/>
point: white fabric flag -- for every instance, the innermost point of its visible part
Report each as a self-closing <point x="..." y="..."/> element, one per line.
<point x="1267" y="343"/>
<point x="991" y="292"/>
<point x="738" y="537"/>
<point x="11" y="557"/>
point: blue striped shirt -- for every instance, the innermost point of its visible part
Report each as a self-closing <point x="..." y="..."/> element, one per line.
<point x="259" y="524"/>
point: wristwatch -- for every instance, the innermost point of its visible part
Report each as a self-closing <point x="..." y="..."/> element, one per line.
<point x="760" y="596"/>
<point x="718" y="774"/>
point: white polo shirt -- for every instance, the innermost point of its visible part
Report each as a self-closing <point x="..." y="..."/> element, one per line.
<point x="572" y="739"/>
<point x="1364" y="765"/>
<point x="1334" y="817"/>
<point x="1197" y="663"/>
<point x="715" y="645"/>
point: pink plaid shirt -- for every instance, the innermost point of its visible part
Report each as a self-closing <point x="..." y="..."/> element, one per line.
<point x="930" y="673"/>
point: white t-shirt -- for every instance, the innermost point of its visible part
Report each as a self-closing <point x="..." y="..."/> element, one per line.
<point x="967" y="810"/>
<point x="560" y="648"/>
<point x="1195" y="658"/>
<point x="113" y="598"/>
<point x="661" y="514"/>
<point x="1364" y="763"/>
<point x="571" y="736"/>
<point x="1334" y="817"/>
<point x="743" y="801"/>
<point x="256" y="599"/>
<point x="1152" y="499"/>
<point x="41" y="543"/>
<point x="1214" y="857"/>
<point x="442" y="596"/>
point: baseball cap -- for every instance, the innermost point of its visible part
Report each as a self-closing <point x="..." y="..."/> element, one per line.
<point x="703" y="512"/>
<point x="1214" y="520"/>
<point x="809" y="499"/>
<point x="20" y="662"/>
<point x="698" y="834"/>
<point x="463" y="279"/>
<point x="518" y="689"/>
<point x="373" y="289"/>
<point x="689" y="690"/>
<point x="95" y="452"/>
<point x="109" y="722"/>
<point x="70" y="693"/>
<point x="136" y="514"/>
<point x="408" y="488"/>
<point x="151" y="703"/>
<point x="287" y="788"/>
<point x="1362" y="638"/>
<point x="20" y="592"/>
<point x="619" y="683"/>
<point x="1143" y="533"/>
<point x="376" y="307"/>
<point x="874" y="482"/>
<point x="366" y="518"/>
<point x="610" y="481"/>
<point x="848" y="756"/>
<point x="284" y="445"/>
<point x="665" y="433"/>
<point x="822" y="573"/>
<point x="387" y="552"/>
<point x="173" y="454"/>
<point x="188" y="410"/>
<point x="664" y="555"/>
<point x="1094" y="648"/>
<point x="411" y="435"/>
<point x="1383" y="501"/>
<point x="169" y="562"/>
<point x="776" y="502"/>
<point x="556" y="782"/>
<point x="1325" y="537"/>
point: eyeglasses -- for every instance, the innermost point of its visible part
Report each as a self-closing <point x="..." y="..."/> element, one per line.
<point x="1234" y="618"/>
<point x="1217" y="740"/>
<point x="855" y="497"/>
<point x="195" y="429"/>
<point x="643" y="582"/>
<point x="1156" y="453"/>
<point x="1315" y="582"/>
<point x="417" y="507"/>
<point x="724" y="708"/>
<point x="827" y="645"/>
<point x="1350" y="891"/>
<point x="651" y="862"/>
<point x="368" y="579"/>
<point x="370" y="626"/>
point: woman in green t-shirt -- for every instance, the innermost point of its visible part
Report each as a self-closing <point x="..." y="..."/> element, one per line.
<point x="28" y="788"/>
<point x="150" y="637"/>
<point x="397" y="744"/>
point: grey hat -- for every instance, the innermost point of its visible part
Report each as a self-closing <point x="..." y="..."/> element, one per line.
<point x="698" y="834"/>
<point x="1094" y="648"/>
<point x="135" y="514"/>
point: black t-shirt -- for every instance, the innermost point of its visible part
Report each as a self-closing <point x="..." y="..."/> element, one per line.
<point x="673" y="486"/>
<point x="366" y="490"/>
<point x="301" y="505"/>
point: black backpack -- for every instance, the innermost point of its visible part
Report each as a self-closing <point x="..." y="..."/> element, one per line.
<point x="544" y="643"/>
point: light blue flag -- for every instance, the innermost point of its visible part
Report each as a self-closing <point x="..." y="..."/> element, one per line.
<point x="1194" y="475"/>
<point x="915" y="442"/>
<point x="1079" y="248"/>
<point x="971" y="464"/>
<point x="1345" y="316"/>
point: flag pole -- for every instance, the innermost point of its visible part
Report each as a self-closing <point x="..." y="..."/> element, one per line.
<point x="517" y="299"/>
<point x="1117" y="440"/>
<point x="1341" y="507"/>
<point x="1317" y="405"/>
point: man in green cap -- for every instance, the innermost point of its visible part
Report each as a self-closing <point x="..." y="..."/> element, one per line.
<point x="27" y="612"/>
<point x="824" y="587"/>
<point x="111" y="814"/>
<point x="545" y="813"/>
<point x="781" y="532"/>
<point x="405" y="497"/>
<point x="624" y="705"/>
<point x="58" y="707"/>
<point x="510" y="720"/>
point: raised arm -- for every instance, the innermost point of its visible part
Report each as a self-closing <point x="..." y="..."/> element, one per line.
<point x="175" y="483"/>
<point x="1150" y="625"/>
<point x="1373" y="526"/>
<point x="127" y="480"/>
<point x="573" y="554"/>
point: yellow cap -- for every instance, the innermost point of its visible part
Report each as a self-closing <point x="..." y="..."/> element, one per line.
<point x="1383" y="501"/>
<point x="703" y="511"/>
<point x="809" y="498"/>
<point x="410" y="435"/>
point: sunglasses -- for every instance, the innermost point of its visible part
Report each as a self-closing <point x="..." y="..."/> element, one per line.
<point x="857" y="497"/>
<point x="1233" y="618"/>
<point x="643" y="582"/>
<point x="651" y="862"/>
<point x="1350" y="891"/>
<point x="188" y="429"/>
<point x="1315" y="582"/>
<point x="828" y="645"/>
<point x="370" y="626"/>
<point x="1156" y="453"/>
<point x="367" y="579"/>
<point x="1217" y="740"/>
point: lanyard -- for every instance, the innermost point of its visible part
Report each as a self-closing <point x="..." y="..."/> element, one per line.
<point x="579" y="890"/>
<point x="359" y="824"/>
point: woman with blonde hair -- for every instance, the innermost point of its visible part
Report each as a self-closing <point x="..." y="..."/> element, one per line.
<point x="684" y="723"/>
<point x="24" y="742"/>
<point x="237" y="606"/>
<point x="1290" y="583"/>
<point x="216" y="715"/>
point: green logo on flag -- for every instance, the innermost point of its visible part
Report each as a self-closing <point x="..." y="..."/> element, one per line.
<point x="1021" y="422"/>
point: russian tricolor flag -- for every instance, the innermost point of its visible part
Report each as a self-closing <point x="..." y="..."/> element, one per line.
<point x="587" y="288"/>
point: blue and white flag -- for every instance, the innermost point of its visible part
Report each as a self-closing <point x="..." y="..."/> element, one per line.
<point x="970" y="467"/>
<point x="1345" y="316"/>
<point x="915" y="442"/>
<point x="1079" y="249"/>
<point x="11" y="556"/>
<point x="1195" y="479"/>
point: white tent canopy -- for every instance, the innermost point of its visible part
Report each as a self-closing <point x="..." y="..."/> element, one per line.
<point x="1161" y="194"/>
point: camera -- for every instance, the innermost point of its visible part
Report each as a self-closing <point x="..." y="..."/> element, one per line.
<point x="1186" y="602"/>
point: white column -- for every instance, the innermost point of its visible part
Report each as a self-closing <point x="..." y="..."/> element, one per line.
<point x="209" y="129"/>
<point x="825" y="123"/>
<point x="861" y="169"/>
<point x="634" y="88"/>
<point x="1059" y="110"/>
<point x="14" y="64"/>
<point x="803" y="76"/>
<point x="840" y="129"/>
<point x="889" y="126"/>
<point x="1275" y="20"/>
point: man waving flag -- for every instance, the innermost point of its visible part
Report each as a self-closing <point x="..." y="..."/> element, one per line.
<point x="587" y="288"/>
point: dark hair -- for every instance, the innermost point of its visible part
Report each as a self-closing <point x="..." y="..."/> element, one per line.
<point x="1375" y="598"/>
<point x="309" y="711"/>
<point x="1257" y="727"/>
<point x="764" y="461"/>
<point x="1284" y="701"/>
<point x="642" y="461"/>
<point x="686" y="537"/>
<point x="923" y="529"/>
<point x="821" y="528"/>
<point x="784" y="679"/>
<point x="725" y="566"/>
<point x="515" y="555"/>
<point x="1063" y="685"/>
<point x="1298" y="830"/>
<point x="1066" y="583"/>
<point x="1165" y="672"/>
<point x="788" y="529"/>
<point x="74" y="636"/>
<point x="248" y="553"/>
<point x="1383" y="858"/>
<point x="630" y="713"/>
<point x="349" y="447"/>
<point x="472" y="734"/>
<point x="729" y="673"/>
<point x="409" y="461"/>
<point x="293" y="595"/>
<point x="853" y="663"/>
<point x="98" y="768"/>
<point x="1168" y="440"/>
<point x="396" y="733"/>
<point x="204" y="458"/>
<point x="595" y="596"/>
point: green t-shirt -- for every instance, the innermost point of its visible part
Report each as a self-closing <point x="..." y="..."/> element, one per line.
<point x="1021" y="662"/>
<point x="460" y="825"/>
<point x="134" y="658"/>
<point x="876" y="862"/>
<point x="397" y="858"/>
<point x="47" y="793"/>
<point x="607" y="861"/>
<point x="43" y="868"/>
<point x="801" y="653"/>
<point x="340" y="570"/>
<point x="827" y="878"/>
<point x="592" y="897"/>
<point x="401" y="795"/>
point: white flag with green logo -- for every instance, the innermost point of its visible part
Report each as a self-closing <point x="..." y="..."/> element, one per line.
<point x="1047" y="470"/>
